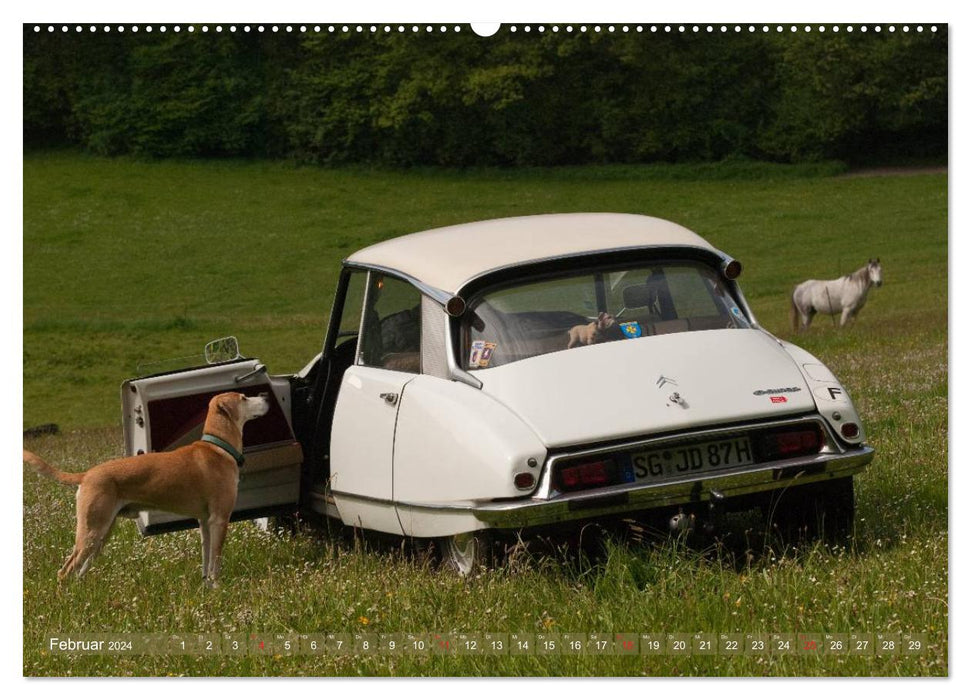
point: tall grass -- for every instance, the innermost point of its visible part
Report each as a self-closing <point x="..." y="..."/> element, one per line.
<point x="128" y="261"/>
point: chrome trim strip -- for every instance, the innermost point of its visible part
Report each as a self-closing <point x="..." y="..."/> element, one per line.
<point x="455" y="372"/>
<point x="745" y="305"/>
<point x="465" y="506"/>
<point x="437" y="295"/>
<point x="434" y="293"/>
<point x="359" y="497"/>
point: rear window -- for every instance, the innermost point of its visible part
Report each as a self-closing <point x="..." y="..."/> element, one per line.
<point x="597" y="306"/>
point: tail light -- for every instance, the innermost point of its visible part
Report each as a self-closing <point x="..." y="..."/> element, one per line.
<point x="850" y="431"/>
<point x="588" y="475"/>
<point x="795" y="442"/>
<point x="524" y="481"/>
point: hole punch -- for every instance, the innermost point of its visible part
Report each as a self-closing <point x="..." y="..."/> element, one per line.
<point x="485" y="29"/>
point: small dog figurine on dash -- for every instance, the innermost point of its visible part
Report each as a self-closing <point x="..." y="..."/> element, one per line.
<point x="590" y="333"/>
<point x="198" y="480"/>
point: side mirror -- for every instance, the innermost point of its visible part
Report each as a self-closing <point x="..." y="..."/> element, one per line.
<point x="222" y="350"/>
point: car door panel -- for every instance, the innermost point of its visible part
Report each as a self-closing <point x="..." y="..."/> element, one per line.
<point x="362" y="446"/>
<point x="164" y="412"/>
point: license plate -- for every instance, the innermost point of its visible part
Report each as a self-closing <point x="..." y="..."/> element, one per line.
<point x="685" y="460"/>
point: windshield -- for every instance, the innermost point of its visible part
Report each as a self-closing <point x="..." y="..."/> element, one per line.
<point x="596" y="306"/>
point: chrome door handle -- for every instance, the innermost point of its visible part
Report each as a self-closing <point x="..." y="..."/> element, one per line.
<point x="390" y="398"/>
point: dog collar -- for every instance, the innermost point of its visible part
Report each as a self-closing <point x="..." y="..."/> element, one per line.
<point x="219" y="442"/>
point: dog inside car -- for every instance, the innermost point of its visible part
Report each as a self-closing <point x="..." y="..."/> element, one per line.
<point x="590" y="333"/>
<point x="198" y="480"/>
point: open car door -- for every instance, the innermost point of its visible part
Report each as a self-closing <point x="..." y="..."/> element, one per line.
<point x="166" y="411"/>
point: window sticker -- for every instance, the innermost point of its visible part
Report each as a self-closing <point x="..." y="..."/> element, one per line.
<point x="481" y="353"/>
<point x="631" y="329"/>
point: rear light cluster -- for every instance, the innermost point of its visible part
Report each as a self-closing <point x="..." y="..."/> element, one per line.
<point x="793" y="442"/>
<point x="588" y="475"/>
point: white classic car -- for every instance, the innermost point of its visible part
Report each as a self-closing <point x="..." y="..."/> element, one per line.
<point x="487" y="378"/>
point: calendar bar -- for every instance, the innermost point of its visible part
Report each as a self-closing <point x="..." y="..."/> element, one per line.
<point x="466" y="644"/>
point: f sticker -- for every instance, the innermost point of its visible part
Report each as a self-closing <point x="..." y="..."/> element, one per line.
<point x="829" y="393"/>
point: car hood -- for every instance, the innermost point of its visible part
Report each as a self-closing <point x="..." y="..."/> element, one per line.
<point x="627" y="388"/>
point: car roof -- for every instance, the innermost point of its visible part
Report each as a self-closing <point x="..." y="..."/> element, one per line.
<point x="448" y="258"/>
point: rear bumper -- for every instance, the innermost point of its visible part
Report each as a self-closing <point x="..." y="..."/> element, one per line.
<point x="626" y="498"/>
<point x="734" y="488"/>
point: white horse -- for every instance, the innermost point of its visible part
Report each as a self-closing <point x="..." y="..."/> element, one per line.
<point x="845" y="296"/>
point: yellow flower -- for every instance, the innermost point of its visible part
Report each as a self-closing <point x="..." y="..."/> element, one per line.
<point x="363" y="620"/>
<point x="548" y="623"/>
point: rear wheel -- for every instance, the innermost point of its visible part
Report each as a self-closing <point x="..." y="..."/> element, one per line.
<point x="467" y="552"/>
<point x="814" y="511"/>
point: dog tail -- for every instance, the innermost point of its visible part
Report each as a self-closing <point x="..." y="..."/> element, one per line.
<point x="44" y="469"/>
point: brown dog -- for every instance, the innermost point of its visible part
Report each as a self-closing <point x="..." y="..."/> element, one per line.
<point x="592" y="332"/>
<point x="197" y="480"/>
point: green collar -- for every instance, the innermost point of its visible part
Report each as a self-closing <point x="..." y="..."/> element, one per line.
<point x="219" y="442"/>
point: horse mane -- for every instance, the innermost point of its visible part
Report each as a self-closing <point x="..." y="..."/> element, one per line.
<point x="861" y="275"/>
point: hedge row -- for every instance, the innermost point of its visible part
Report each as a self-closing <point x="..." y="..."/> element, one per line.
<point x="512" y="99"/>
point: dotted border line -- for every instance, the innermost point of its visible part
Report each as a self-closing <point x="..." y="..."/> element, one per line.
<point x="428" y="28"/>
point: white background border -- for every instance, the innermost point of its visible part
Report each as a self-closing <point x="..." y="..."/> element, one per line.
<point x="509" y="12"/>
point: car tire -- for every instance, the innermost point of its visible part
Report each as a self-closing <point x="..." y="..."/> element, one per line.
<point x="466" y="553"/>
<point x="823" y="511"/>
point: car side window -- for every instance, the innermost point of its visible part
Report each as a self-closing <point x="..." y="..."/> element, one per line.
<point x="352" y="308"/>
<point x="391" y="331"/>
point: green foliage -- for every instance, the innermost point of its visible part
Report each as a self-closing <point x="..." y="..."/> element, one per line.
<point x="195" y="95"/>
<point x="455" y="99"/>
<point x="852" y="93"/>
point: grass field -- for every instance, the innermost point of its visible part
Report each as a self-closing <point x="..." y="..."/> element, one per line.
<point x="127" y="262"/>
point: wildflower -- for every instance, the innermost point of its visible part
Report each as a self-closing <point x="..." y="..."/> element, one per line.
<point x="363" y="620"/>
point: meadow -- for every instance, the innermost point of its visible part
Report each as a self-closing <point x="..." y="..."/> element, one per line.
<point x="127" y="263"/>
